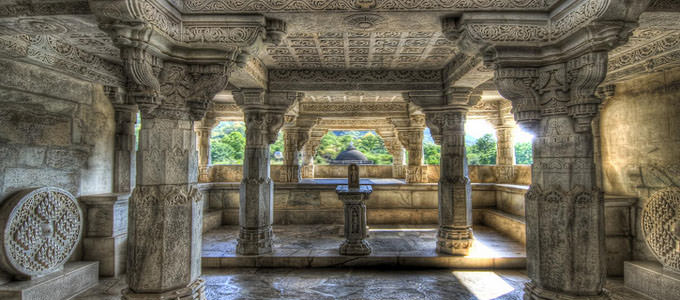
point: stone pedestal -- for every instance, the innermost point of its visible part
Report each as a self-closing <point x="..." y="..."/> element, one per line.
<point x="264" y="117"/>
<point x="356" y="230"/>
<point x="106" y="227"/>
<point x="650" y="278"/>
<point x="73" y="279"/>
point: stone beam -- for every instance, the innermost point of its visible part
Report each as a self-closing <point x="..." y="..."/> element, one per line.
<point x="360" y="80"/>
<point x="353" y="110"/>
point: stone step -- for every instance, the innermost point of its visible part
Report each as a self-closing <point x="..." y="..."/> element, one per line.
<point x="508" y="224"/>
<point x="75" y="278"/>
<point x="316" y="246"/>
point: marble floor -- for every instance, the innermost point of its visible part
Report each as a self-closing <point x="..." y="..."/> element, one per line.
<point x="317" y="246"/>
<point x="341" y="283"/>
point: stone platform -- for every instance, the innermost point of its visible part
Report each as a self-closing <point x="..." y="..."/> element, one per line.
<point x="651" y="279"/>
<point x="75" y="278"/>
<point x="316" y="246"/>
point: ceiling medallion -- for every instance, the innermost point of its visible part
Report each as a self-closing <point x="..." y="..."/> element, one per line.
<point x="364" y="21"/>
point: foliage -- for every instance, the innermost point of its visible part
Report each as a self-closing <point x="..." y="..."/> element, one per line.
<point x="227" y="143"/>
<point x="523" y="154"/>
<point x="432" y="153"/>
<point x="483" y="151"/>
<point x="367" y="142"/>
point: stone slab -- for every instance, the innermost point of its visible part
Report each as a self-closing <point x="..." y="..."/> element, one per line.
<point x="649" y="278"/>
<point x="212" y="219"/>
<point x="75" y="278"/>
<point x="110" y="252"/>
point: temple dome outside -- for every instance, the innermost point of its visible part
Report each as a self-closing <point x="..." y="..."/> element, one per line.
<point x="351" y="156"/>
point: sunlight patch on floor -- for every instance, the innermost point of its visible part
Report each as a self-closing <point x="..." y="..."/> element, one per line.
<point x="483" y="285"/>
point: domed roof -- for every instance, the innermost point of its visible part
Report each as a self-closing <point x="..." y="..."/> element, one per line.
<point x="351" y="153"/>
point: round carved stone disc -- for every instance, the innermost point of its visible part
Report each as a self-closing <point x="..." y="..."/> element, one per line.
<point x="661" y="227"/>
<point x="40" y="230"/>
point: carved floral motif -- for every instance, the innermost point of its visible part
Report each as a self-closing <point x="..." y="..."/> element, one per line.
<point x="41" y="229"/>
<point x="661" y="227"/>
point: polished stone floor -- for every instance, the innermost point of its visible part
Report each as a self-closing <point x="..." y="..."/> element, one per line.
<point x="317" y="246"/>
<point x="250" y="283"/>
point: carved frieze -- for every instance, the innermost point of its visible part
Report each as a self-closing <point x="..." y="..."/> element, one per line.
<point x="212" y="6"/>
<point x="316" y="107"/>
<point x="40" y="230"/>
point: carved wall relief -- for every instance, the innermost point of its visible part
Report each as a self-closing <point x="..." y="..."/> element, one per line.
<point x="661" y="227"/>
<point x="40" y="230"/>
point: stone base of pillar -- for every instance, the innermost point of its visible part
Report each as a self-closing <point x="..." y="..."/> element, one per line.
<point x="307" y="171"/>
<point x="355" y="248"/>
<point x="255" y="241"/>
<point x="290" y="173"/>
<point x="194" y="291"/>
<point x="203" y="175"/>
<point x="454" y="241"/>
<point x="416" y="174"/>
<point x="399" y="171"/>
<point x="532" y="292"/>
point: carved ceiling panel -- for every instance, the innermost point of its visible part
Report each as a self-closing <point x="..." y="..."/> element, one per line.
<point x="362" y="50"/>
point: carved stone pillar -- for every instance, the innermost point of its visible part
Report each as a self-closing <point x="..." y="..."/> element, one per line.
<point x="605" y="93"/>
<point x="505" y="150"/>
<point x="564" y="206"/>
<point x="455" y="205"/>
<point x="394" y="147"/>
<point x="309" y="150"/>
<point x="165" y="213"/>
<point x="412" y="139"/>
<point x="264" y="116"/>
<point x="204" y="131"/>
<point x="124" y="148"/>
<point x="295" y="137"/>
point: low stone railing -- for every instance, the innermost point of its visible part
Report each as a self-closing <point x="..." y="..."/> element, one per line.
<point x="515" y="174"/>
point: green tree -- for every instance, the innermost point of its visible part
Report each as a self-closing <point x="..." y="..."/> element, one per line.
<point x="228" y="149"/>
<point x="432" y="153"/>
<point x="483" y="151"/>
<point x="523" y="153"/>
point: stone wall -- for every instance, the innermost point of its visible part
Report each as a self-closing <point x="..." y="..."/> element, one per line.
<point x="640" y="132"/>
<point x="54" y="131"/>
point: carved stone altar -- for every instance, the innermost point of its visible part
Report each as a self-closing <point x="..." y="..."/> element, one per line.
<point x="354" y="195"/>
<point x="40" y="230"/>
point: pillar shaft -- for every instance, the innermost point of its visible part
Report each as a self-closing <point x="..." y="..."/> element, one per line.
<point x="564" y="207"/>
<point x="204" y="131"/>
<point x="412" y="139"/>
<point x="124" y="148"/>
<point x="505" y="151"/>
<point x="455" y="206"/>
<point x="264" y="117"/>
<point x="164" y="246"/>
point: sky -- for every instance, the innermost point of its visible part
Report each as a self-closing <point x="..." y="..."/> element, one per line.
<point x="478" y="128"/>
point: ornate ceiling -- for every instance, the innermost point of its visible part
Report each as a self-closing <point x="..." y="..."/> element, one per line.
<point x="375" y="45"/>
<point x="362" y="50"/>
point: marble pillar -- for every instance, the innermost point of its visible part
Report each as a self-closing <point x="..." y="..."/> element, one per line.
<point x="309" y="151"/>
<point x="412" y="139"/>
<point x="505" y="150"/>
<point x="124" y="148"/>
<point x="455" y="205"/>
<point x="564" y="206"/>
<point x="165" y="214"/>
<point x="204" y="131"/>
<point x="264" y="117"/>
